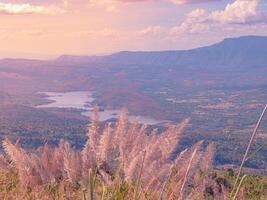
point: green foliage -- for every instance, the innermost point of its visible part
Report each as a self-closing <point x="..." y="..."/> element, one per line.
<point x="8" y="182"/>
<point x="254" y="187"/>
<point x="121" y="190"/>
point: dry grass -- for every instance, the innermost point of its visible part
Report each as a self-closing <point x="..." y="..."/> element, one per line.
<point x="120" y="161"/>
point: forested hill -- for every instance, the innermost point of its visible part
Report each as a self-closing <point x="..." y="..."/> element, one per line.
<point x="246" y="51"/>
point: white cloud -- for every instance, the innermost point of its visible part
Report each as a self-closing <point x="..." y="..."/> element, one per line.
<point x="112" y="5"/>
<point x="240" y="12"/>
<point x="191" y="1"/>
<point x="151" y="30"/>
<point x="106" y="32"/>
<point x="108" y="5"/>
<point x="26" y="8"/>
<point x="111" y="8"/>
<point x="195" y="22"/>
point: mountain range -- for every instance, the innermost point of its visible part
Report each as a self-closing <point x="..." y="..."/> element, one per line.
<point x="246" y="51"/>
<point x="222" y="88"/>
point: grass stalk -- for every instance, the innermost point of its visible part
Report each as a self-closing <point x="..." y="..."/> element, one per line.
<point x="165" y="183"/>
<point x="248" y="148"/>
<point x="139" y="178"/>
<point x="91" y="182"/>
<point x="103" y="192"/>
<point x="84" y="194"/>
<point x="239" y="186"/>
<point x="186" y="174"/>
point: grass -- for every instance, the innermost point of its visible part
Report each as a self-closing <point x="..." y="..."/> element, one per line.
<point x="246" y="153"/>
<point x="124" y="161"/>
<point x="254" y="187"/>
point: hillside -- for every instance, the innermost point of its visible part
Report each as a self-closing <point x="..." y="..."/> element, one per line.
<point x="246" y="51"/>
<point x="222" y="87"/>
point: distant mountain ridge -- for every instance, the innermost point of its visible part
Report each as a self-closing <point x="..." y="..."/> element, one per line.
<point x="245" y="51"/>
<point x="231" y="53"/>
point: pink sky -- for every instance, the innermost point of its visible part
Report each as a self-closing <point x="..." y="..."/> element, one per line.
<point x="47" y="28"/>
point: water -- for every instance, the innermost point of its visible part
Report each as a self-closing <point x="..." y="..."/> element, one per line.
<point x="83" y="100"/>
<point x="77" y="100"/>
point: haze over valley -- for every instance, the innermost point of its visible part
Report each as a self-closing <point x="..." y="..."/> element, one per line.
<point x="222" y="88"/>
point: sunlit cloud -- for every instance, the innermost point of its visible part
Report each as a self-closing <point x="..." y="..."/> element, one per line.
<point x="240" y="12"/>
<point x="191" y="1"/>
<point x="112" y="5"/>
<point x="151" y="31"/>
<point x="173" y="1"/>
<point x="26" y="8"/>
<point x="97" y="26"/>
<point x="106" y="32"/>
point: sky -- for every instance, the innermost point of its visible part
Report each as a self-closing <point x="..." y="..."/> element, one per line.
<point x="49" y="28"/>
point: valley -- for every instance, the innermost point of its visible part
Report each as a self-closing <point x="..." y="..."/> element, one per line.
<point x="223" y="95"/>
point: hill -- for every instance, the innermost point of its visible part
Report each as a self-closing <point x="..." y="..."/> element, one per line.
<point x="246" y="51"/>
<point x="222" y="87"/>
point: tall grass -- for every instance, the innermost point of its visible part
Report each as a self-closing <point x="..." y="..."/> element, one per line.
<point x="121" y="160"/>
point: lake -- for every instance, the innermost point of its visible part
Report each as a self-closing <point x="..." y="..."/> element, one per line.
<point x="83" y="100"/>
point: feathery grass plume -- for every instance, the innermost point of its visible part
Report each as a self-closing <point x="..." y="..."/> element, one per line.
<point x="93" y="132"/>
<point x="131" y="169"/>
<point x="189" y="169"/>
<point x="135" y="142"/>
<point x="157" y="164"/>
<point x="57" y="161"/>
<point x="207" y="158"/>
<point x="105" y="144"/>
<point x="187" y="173"/>
<point x="115" y="155"/>
<point x="121" y="136"/>
<point x="160" y="149"/>
<point x="204" y="185"/>
<point x="44" y="163"/>
<point x="48" y="162"/>
<point x="164" y="144"/>
<point x="185" y="168"/>
<point x="72" y="163"/>
<point x="165" y="183"/>
<point x="136" y="189"/>
<point x="204" y="182"/>
<point x="33" y="169"/>
<point x="89" y="152"/>
<point x="23" y="163"/>
<point x="169" y="140"/>
<point x="5" y="165"/>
